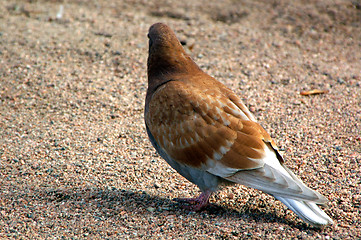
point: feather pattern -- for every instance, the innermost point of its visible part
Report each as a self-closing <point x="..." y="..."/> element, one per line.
<point x="205" y="132"/>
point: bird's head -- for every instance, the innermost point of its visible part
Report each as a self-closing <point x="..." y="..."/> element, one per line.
<point x="166" y="54"/>
<point x="162" y="39"/>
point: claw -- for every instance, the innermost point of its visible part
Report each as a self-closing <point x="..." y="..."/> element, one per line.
<point x="195" y="204"/>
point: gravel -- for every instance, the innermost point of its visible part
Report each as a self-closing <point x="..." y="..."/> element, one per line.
<point x="75" y="161"/>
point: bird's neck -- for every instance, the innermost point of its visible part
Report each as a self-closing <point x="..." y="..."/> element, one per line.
<point x="164" y="67"/>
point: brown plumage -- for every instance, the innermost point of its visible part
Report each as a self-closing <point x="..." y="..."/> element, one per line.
<point x="204" y="131"/>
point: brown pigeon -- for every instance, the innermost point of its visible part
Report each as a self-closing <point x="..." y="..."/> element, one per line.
<point x="205" y="132"/>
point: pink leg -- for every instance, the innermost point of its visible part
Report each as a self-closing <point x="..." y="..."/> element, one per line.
<point x="196" y="204"/>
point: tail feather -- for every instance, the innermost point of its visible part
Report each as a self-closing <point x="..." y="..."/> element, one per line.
<point x="274" y="182"/>
<point x="307" y="211"/>
<point x="289" y="189"/>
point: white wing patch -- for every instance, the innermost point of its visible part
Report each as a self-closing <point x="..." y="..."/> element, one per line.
<point x="217" y="156"/>
<point x="219" y="169"/>
<point x="236" y="111"/>
<point x="225" y="120"/>
<point x="271" y="159"/>
<point x="223" y="150"/>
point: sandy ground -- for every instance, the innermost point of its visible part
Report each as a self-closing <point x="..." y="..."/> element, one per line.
<point x="75" y="161"/>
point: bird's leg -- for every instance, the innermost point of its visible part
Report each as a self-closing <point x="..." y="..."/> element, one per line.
<point x="195" y="204"/>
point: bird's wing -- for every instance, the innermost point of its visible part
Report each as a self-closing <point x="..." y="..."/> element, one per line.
<point x="272" y="181"/>
<point x="205" y="128"/>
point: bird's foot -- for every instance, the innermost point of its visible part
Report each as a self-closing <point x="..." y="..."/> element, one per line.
<point x="195" y="204"/>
